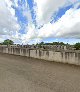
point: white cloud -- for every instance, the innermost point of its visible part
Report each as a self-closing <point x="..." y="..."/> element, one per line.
<point x="46" y="8"/>
<point x="68" y="26"/>
<point x="30" y="35"/>
<point x="15" y="3"/>
<point x="8" y="22"/>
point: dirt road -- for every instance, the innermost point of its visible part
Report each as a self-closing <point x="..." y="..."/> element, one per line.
<point x="22" y="74"/>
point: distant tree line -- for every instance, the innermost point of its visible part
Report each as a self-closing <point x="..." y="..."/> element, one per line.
<point x="76" y="46"/>
<point x="10" y="42"/>
<point x="53" y="43"/>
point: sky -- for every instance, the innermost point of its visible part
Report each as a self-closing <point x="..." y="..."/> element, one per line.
<point x="34" y="21"/>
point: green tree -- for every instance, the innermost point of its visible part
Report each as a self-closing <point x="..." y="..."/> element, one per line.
<point x="42" y="43"/>
<point x="77" y="46"/>
<point x="61" y="43"/>
<point x="8" y="42"/>
<point x="58" y="43"/>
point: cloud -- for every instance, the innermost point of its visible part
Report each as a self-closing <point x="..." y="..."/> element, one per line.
<point x="30" y="35"/>
<point x="8" y="22"/>
<point x="15" y="3"/>
<point x="46" y="8"/>
<point x="68" y="26"/>
<point x="43" y="11"/>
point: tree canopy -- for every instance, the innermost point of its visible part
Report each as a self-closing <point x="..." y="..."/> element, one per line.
<point x="77" y="46"/>
<point x="8" y="42"/>
<point x="54" y="43"/>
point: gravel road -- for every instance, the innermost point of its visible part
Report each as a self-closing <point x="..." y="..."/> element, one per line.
<point x="22" y="74"/>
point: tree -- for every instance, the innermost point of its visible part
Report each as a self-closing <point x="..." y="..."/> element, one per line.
<point x="8" y="42"/>
<point x="77" y="46"/>
<point x="42" y="43"/>
<point x="58" y="43"/>
<point x="54" y="43"/>
<point x="61" y="43"/>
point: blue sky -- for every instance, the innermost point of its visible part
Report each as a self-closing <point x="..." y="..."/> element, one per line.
<point x="33" y="21"/>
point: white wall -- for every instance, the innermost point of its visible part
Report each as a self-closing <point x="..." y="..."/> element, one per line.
<point x="71" y="57"/>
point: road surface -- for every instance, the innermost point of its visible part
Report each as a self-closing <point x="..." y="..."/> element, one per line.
<point x="22" y="74"/>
